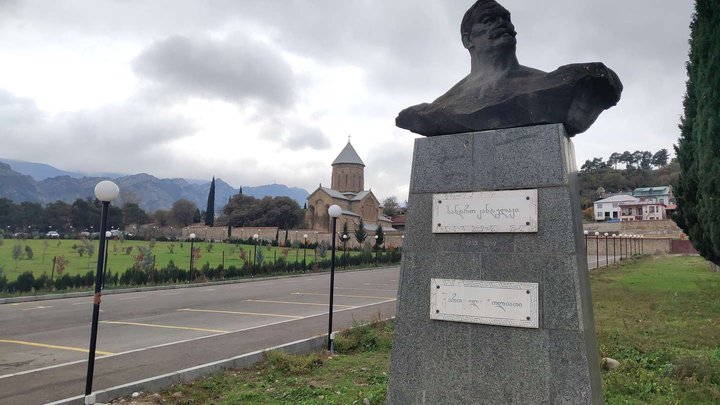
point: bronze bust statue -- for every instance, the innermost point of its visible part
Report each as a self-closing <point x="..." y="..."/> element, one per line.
<point x="501" y="93"/>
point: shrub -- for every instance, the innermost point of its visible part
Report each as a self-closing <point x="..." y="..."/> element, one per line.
<point x="25" y="282"/>
<point x="29" y="252"/>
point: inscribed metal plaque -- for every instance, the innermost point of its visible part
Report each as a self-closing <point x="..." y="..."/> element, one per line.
<point x="486" y="212"/>
<point x="486" y="302"/>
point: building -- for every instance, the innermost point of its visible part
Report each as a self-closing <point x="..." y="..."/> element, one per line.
<point x="662" y="194"/>
<point x="608" y="209"/>
<point x="347" y="191"/>
<point x="642" y="210"/>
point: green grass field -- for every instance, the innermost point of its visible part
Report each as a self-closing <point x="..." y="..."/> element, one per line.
<point x="119" y="260"/>
<point x="659" y="316"/>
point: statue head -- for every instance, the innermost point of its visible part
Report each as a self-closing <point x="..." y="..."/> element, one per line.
<point x="486" y="28"/>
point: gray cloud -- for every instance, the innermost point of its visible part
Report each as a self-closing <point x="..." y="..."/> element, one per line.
<point x="237" y="70"/>
<point x="293" y="134"/>
<point x="114" y="137"/>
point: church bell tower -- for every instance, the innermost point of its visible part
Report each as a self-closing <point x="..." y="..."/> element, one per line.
<point x="348" y="173"/>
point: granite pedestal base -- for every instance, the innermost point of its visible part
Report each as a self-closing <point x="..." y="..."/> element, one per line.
<point x="440" y="362"/>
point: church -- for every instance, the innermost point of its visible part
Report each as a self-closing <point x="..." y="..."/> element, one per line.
<point x="347" y="191"/>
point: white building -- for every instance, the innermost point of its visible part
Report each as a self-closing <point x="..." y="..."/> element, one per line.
<point x="609" y="208"/>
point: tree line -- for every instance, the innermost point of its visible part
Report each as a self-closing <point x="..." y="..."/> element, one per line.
<point x="644" y="160"/>
<point x="84" y="215"/>
<point x="598" y="175"/>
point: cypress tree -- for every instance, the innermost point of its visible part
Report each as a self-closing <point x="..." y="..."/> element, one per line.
<point x="210" y="210"/>
<point x="698" y="150"/>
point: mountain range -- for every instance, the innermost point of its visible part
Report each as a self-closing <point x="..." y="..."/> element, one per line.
<point x="41" y="183"/>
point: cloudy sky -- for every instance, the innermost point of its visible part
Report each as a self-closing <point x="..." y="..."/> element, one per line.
<point x="259" y="91"/>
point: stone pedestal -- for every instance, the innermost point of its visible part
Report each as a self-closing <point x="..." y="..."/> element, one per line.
<point x="441" y="362"/>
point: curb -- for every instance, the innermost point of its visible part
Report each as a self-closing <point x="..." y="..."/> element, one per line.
<point x="78" y="294"/>
<point x="154" y="384"/>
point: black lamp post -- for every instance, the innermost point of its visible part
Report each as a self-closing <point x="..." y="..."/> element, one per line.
<point x="255" y="238"/>
<point x="305" y="252"/>
<point x="586" y="240"/>
<point x="607" y="263"/>
<point x="597" y="249"/>
<point x="105" y="191"/>
<point x="377" y="249"/>
<point x="614" y="251"/>
<point x="642" y="244"/>
<point x="108" y="234"/>
<point x="345" y="239"/>
<point x="334" y="211"/>
<point x="192" y="255"/>
<point x="316" y="247"/>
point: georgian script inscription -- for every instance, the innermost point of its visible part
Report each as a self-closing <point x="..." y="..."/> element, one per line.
<point x="485" y="212"/>
<point x="484" y="302"/>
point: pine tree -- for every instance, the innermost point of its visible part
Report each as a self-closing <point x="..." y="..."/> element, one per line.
<point x="380" y="240"/>
<point x="210" y="210"/>
<point x="698" y="150"/>
<point x="360" y="232"/>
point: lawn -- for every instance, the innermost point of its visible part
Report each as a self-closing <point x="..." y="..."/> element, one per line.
<point x="659" y="316"/>
<point x="121" y="255"/>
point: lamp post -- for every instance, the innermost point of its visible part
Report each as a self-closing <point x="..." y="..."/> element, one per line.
<point x="607" y="263"/>
<point x="377" y="249"/>
<point x="105" y="191"/>
<point x="345" y="238"/>
<point x="305" y="252"/>
<point x="642" y="244"/>
<point x="586" y="240"/>
<point x="334" y="211"/>
<point x="316" y="247"/>
<point x="614" y="252"/>
<point x="597" y="249"/>
<point x="255" y="238"/>
<point x="108" y="234"/>
<point x="192" y="255"/>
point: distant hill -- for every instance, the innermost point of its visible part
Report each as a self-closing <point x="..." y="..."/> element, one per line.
<point x="148" y="191"/>
<point x="42" y="171"/>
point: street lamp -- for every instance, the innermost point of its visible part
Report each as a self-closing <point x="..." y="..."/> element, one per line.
<point x="305" y="252"/>
<point x="586" y="238"/>
<point x="192" y="254"/>
<point x="345" y="238"/>
<point x="255" y="237"/>
<point x="377" y="248"/>
<point x="597" y="249"/>
<point x="614" y="251"/>
<point x="607" y="263"/>
<point x="105" y="191"/>
<point x="642" y="244"/>
<point x="108" y="235"/>
<point x="334" y="211"/>
<point x="316" y="247"/>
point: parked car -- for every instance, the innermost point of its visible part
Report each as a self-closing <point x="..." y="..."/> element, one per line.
<point x="52" y="234"/>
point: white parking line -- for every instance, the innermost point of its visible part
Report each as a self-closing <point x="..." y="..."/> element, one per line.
<point x="38" y="307"/>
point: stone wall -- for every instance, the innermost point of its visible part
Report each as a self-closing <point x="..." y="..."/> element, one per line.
<point x="665" y="227"/>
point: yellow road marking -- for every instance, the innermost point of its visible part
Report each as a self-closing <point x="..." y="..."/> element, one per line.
<point x="349" y="296"/>
<point x="297" y="303"/>
<point x="74" y="349"/>
<point x="212" y="311"/>
<point x="150" y="325"/>
<point x="15" y="304"/>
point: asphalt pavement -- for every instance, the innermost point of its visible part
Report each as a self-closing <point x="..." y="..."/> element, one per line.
<point x="44" y="344"/>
